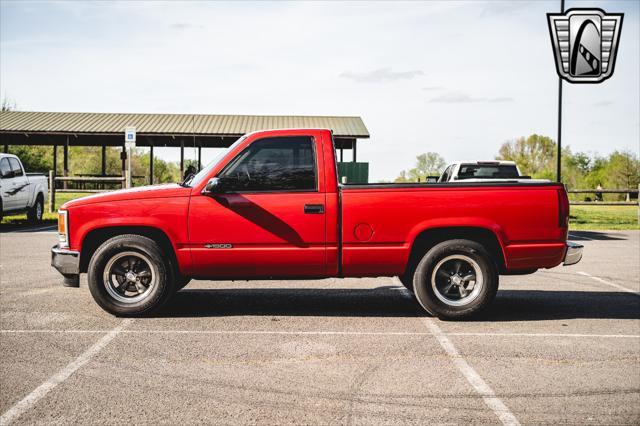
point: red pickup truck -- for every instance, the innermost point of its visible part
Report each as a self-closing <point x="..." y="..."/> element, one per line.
<point x="270" y="207"/>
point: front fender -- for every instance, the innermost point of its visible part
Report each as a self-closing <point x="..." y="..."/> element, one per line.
<point x="168" y="215"/>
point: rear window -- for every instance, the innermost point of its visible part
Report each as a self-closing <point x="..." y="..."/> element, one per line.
<point x="482" y="171"/>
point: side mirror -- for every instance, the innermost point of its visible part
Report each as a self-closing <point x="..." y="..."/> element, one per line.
<point x="214" y="186"/>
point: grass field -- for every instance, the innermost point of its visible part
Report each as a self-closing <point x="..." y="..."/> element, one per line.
<point x="582" y="217"/>
<point x="603" y="217"/>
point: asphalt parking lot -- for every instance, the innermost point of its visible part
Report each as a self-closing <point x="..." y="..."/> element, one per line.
<point x="559" y="346"/>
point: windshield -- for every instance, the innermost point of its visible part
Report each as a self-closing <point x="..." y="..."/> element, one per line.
<point x="198" y="177"/>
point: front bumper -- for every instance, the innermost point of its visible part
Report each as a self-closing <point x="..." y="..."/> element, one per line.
<point x="67" y="262"/>
<point x="573" y="254"/>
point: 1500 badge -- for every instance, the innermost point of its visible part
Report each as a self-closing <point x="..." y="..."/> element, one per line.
<point x="218" y="246"/>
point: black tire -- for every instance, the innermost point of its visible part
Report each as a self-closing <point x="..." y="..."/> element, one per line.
<point x="163" y="277"/>
<point x="407" y="281"/>
<point x="433" y="288"/>
<point x="181" y="282"/>
<point x="34" y="214"/>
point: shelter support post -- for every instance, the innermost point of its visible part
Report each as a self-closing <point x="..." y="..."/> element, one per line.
<point x="104" y="160"/>
<point x="65" y="161"/>
<point x="151" y="164"/>
<point x="199" y="157"/>
<point x="6" y="148"/>
<point x="123" y="157"/>
<point x="181" y="160"/>
<point x="52" y="190"/>
<point x="354" y="151"/>
<point x="55" y="160"/>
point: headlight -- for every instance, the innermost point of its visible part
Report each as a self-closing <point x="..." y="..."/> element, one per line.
<point x="63" y="228"/>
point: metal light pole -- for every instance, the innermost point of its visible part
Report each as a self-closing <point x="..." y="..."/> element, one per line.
<point x="559" y="159"/>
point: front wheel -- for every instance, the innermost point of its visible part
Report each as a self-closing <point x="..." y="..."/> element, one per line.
<point x="182" y="281"/>
<point x="456" y="279"/>
<point x="129" y="275"/>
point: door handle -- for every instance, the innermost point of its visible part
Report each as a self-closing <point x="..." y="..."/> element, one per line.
<point x="314" y="208"/>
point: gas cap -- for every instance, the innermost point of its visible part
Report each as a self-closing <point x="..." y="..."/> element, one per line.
<point x="363" y="232"/>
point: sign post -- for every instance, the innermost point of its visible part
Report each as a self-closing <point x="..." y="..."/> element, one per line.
<point x="129" y="142"/>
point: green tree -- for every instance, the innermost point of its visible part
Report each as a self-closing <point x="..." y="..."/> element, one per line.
<point x="35" y="159"/>
<point x="534" y="155"/>
<point x="623" y="170"/>
<point x="427" y="164"/>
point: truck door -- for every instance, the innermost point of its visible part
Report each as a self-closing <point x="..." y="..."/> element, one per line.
<point x="20" y="184"/>
<point x="12" y="184"/>
<point x="270" y="219"/>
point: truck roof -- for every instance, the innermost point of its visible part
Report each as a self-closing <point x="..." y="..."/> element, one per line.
<point x="488" y="163"/>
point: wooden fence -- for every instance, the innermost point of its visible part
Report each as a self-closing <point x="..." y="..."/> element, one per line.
<point x="631" y="194"/>
<point x="83" y="184"/>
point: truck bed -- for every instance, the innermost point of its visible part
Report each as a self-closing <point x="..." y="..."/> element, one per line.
<point x="381" y="221"/>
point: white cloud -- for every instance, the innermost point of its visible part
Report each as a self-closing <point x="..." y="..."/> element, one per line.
<point x="185" y="26"/>
<point x="381" y="74"/>
<point x="463" y="98"/>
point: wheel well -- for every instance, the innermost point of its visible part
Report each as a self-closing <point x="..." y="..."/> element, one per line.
<point x="429" y="238"/>
<point x="95" y="238"/>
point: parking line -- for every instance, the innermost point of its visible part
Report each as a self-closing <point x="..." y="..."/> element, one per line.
<point x="232" y="332"/>
<point x="609" y="283"/>
<point x="606" y="336"/>
<point x="41" y="391"/>
<point x="488" y="395"/>
<point x="321" y="333"/>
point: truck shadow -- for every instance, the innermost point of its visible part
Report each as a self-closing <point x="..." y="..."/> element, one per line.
<point x="595" y="235"/>
<point x="292" y="302"/>
<point x="25" y="226"/>
<point x="510" y="305"/>
<point x="540" y="305"/>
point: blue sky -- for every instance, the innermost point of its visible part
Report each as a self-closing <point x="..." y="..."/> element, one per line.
<point x="458" y="78"/>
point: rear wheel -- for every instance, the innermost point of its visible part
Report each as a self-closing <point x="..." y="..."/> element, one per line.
<point x="129" y="276"/>
<point x="35" y="213"/>
<point x="456" y="279"/>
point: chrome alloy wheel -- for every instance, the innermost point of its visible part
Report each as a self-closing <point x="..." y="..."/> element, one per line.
<point x="129" y="277"/>
<point x="457" y="280"/>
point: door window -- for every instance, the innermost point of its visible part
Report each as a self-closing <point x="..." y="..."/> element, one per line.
<point x="5" y="168"/>
<point x="15" y="167"/>
<point x="273" y="164"/>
